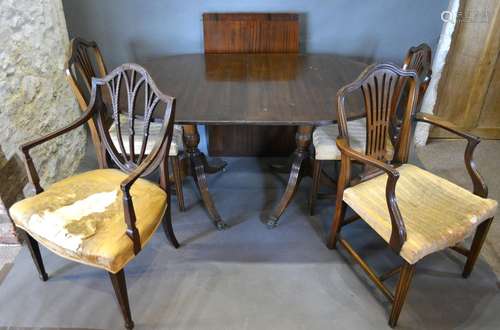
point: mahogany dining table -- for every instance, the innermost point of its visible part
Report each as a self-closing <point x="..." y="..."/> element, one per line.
<point x="254" y="89"/>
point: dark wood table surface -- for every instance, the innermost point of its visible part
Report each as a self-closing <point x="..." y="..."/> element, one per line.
<point x="254" y="89"/>
<point x="263" y="89"/>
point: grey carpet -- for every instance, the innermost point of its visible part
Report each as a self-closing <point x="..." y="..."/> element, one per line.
<point x="249" y="277"/>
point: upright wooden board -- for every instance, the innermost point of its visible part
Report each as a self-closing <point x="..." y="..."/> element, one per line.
<point x="468" y="91"/>
<point x="250" y="33"/>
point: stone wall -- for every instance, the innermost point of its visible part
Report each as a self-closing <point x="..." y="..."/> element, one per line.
<point x="35" y="98"/>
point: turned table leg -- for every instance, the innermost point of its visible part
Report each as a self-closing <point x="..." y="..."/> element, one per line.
<point x="199" y="167"/>
<point x="300" y="162"/>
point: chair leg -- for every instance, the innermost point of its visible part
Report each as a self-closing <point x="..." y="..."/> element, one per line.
<point x="401" y="291"/>
<point x="167" y="226"/>
<point x="120" y="287"/>
<point x="338" y="218"/>
<point x="477" y="243"/>
<point x="36" y="255"/>
<point x="178" y="181"/>
<point x="315" y="185"/>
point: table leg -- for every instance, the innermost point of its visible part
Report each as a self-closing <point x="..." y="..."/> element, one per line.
<point x="199" y="167"/>
<point x="299" y="167"/>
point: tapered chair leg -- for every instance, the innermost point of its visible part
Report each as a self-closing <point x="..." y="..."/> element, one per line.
<point x="338" y="218"/>
<point x="315" y="185"/>
<point x="405" y="278"/>
<point x="120" y="286"/>
<point x="340" y="206"/>
<point x="178" y="181"/>
<point x="477" y="244"/>
<point x="36" y="255"/>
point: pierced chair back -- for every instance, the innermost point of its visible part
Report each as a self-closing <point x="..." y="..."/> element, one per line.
<point x="418" y="59"/>
<point x="85" y="62"/>
<point x="380" y="87"/>
<point x="134" y="96"/>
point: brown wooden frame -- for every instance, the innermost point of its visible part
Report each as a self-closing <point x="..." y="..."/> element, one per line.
<point x="84" y="62"/>
<point x="131" y="77"/>
<point x="250" y="33"/>
<point x="398" y="235"/>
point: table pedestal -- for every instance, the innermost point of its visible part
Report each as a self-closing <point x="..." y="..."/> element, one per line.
<point x="198" y="168"/>
<point x="300" y="166"/>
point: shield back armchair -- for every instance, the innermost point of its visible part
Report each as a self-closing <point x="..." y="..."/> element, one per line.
<point x="103" y="218"/>
<point x="414" y="211"/>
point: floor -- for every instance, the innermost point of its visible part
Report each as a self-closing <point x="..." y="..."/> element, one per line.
<point x="249" y="277"/>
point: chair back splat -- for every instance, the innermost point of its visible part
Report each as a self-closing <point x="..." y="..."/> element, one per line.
<point x="417" y="59"/>
<point x="379" y="87"/>
<point x="84" y="62"/>
<point x="134" y="96"/>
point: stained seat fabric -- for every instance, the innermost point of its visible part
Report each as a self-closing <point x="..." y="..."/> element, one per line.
<point x="437" y="213"/>
<point x="81" y="217"/>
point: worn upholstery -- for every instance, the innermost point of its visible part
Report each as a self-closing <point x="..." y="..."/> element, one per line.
<point x="324" y="139"/>
<point x="154" y="133"/>
<point x="437" y="213"/>
<point x="81" y="218"/>
<point x="325" y="145"/>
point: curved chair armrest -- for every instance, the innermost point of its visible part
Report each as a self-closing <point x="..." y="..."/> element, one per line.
<point x="398" y="233"/>
<point x="128" y="205"/>
<point x="479" y="185"/>
<point x="25" y="147"/>
<point x="444" y="124"/>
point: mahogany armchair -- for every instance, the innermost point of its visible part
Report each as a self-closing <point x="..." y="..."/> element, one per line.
<point x="104" y="217"/>
<point x="84" y="62"/>
<point x="417" y="59"/>
<point x="416" y="212"/>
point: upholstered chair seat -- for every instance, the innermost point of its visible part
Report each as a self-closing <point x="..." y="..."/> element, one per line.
<point x="154" y="133"/>
<point x="437" y="213"/>
<point x="324" y="138"/>
<point x="82" y="218"/>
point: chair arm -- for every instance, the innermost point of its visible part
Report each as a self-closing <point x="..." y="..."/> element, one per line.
<point x="128" y="205"/>
<point x="25" y="147"/>
<point x="444" y="124"/>
<point x="398" y="233"/>
<point x="479" y="185"/>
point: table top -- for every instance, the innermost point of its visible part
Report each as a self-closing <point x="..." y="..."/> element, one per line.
<point x="258" y="89"/>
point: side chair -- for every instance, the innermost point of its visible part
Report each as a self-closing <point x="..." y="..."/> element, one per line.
<point x="417" y="58"/>
<point x="414" y="211"/>
<point x="84" y="62"/>
<point x="103" y="218"/>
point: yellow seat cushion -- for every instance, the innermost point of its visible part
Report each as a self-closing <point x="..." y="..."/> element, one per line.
<point x="437" y="213"/>
<point x="81" y="217"/>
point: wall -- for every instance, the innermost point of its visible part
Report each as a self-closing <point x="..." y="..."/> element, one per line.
<point x="132" y="30"/>
<point x="35" y="98"/>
